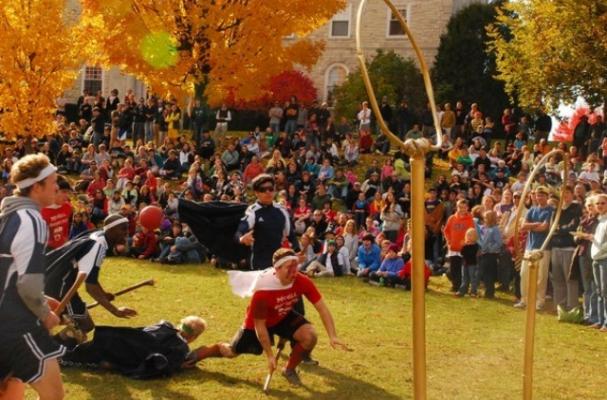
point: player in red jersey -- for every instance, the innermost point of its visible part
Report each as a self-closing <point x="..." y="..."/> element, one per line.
<point x="274" y="292"/>
<point x="58" y="216"/>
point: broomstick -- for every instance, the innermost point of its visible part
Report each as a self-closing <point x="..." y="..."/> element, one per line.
<point x="280" y="346"/>
<point x="148" y="282"/>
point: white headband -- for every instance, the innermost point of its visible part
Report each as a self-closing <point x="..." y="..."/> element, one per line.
<point x="25" y="183"/>
<point x="285" y="260"/>
<point x="112" y="224"/>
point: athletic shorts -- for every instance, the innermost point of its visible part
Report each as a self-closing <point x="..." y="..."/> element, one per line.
<point x="245" y="341"/>
<point x="23" y="356"/>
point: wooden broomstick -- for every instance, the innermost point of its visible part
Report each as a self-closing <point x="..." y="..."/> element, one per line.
<point x="147" y="282"/>
<point x="280" y="346"/>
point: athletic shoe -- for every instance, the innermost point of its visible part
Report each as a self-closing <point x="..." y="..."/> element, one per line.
<point x="539" y="307"/>
<point x="292" y="377"/>
<point x="308" y="360"/>
<point x="520" y="305"/>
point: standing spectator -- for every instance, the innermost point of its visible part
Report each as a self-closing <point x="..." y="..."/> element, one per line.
<point x="543" y="125"/>
<point x="173" y="120"/>
<point x="598" y="251"/>
<point x="562" y="244"/>
<point x="392" y="216"/>
<point x="490" y="243"/>
<point x="139" y="119"/>
<point x="405" y="119"/>
<point x="222" y="117"/>
<point x="112" y="102"/>
<point x="275" y="114"/>
<point x="470" y="269"/>
<point x="454" y="232"/>
<point x="537" y="223"/>
<point x="584" y="241"/>
<point x="291" y="114"/>
<point x="198" y="119"/>
<point x="448" y="120"/>
<point x="364" y="118"/>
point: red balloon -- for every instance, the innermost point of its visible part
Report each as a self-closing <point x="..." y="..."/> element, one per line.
<point x="150" y="217"/>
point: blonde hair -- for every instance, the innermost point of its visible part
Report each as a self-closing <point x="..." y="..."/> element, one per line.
<point x="282" y="253"/>
<point x="490" y="218"/>
<point x="28" y="167"/>
<point x="471" y="234"/>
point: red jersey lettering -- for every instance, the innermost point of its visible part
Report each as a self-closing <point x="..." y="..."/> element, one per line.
<point x="58" y="220"/>
<point x="274" y="305"/>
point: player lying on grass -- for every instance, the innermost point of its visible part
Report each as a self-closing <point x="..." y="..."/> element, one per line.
<point x="139" y="353"/>
<point x="274" y="292"/>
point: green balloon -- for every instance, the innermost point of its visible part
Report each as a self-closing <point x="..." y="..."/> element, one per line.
<point x="158" y="49"/>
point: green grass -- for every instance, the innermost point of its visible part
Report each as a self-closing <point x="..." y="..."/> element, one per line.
<point x="474" y="346"/>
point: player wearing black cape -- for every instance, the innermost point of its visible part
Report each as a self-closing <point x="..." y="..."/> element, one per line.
<point x="140" y="353"/>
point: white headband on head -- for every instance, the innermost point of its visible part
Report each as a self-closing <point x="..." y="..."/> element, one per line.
<point x="112" y="224"/>
<point x="25" y="183"/>
<point x="285" y="260"/>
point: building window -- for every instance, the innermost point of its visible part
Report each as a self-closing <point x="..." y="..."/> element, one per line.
<point x="394" y="28"/>
<point x="340" y="23"/>
<point x="93" y="78"/>
<point x="335" y="76"/>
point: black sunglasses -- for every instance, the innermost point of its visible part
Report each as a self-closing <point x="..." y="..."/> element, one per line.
<point x="265" y="189"/>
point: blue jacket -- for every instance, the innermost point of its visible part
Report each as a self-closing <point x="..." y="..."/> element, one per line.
<point x="490" y="240"/>
<point x="392" y="265"/>
<point x="369" y="259"/>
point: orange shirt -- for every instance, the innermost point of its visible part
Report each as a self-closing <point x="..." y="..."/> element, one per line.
<point x="455" y="230"/>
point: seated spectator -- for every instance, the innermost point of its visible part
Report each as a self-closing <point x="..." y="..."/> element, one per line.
<point x="230" y="157"/>
<point x="345" y="254"/>
<point x="368" y="256"/>
<point x="330" y="263"/>
<point x="171" y="169"/>
<point x="116" y="202"/>
<point x="387" y="274"/>
<point x="130" y="194"/>
<point x="144" y="245"/>
<point x="365" y="142"/>
<point x="351" y="151"/>
<point x="301" y="216"/>
<point x="100" y="207"/>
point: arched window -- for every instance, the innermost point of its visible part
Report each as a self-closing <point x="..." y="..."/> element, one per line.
<point x="336" y="75"/>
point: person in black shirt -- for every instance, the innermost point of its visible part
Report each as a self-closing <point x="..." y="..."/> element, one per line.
<point x="265" y="224"/>
<point x="171" y="168"/>
<point x="470" y="270"/>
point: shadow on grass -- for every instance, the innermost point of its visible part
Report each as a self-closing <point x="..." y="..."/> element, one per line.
<point x="111" y="386"/>
<point x="340" y="386"/>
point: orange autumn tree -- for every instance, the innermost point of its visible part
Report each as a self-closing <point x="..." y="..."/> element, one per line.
<point x="233" y="46"/>
<point x="41" y="50"/>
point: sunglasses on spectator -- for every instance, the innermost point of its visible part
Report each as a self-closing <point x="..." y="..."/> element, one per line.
<point x="266" y="189"/>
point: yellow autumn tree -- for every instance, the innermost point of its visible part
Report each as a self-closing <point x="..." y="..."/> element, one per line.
<point x="231" y="46"/>
<point x="41" y="50"/>
<point x="548" y="51"/>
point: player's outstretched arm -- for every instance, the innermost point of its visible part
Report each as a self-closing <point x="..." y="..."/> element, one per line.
<point x="327" y="320"/>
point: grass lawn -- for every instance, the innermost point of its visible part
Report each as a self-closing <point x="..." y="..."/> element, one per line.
<point x="474" y="346"/>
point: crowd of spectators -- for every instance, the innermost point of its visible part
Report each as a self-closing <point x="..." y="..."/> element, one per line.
<point x="351" y="217"/>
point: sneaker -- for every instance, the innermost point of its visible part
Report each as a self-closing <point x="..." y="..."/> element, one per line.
<point x="458" y="294"/>
<point x="308" y="360"/>
<point x="292" y="377"/>
<point x="520" y="305"/>
<point x="539" y="307"/>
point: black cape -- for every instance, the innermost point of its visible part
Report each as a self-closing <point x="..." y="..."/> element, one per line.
<point x="139" y="353"/>
<point x="214" y="224"/>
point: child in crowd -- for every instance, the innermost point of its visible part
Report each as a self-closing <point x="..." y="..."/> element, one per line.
<point x="490" y="243"/>
<point x="145" y="244"/>
<point x="470" y="270"/>
<point x="387" y="275"/>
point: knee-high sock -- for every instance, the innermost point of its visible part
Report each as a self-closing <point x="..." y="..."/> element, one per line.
<point x="296" y="356"/>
